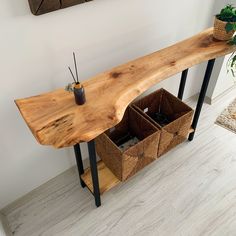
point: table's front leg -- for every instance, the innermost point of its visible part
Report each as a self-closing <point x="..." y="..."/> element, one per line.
<point x="202" y="96"/>
<point x="94" y="172"/>
<point x="79" y="163"/>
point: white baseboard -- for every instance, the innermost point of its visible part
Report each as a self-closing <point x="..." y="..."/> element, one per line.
<point x="4" y="226"/>
<point x="210" y="100"/>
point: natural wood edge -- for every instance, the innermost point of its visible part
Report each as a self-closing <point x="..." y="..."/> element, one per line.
<point x="56" y="120"/>
<point x="107" y="179"/>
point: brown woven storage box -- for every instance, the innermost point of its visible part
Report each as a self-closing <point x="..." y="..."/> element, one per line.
<point x="178" y="113"/>
<point x="125" y="164"/>
<point x="220" y="32"/>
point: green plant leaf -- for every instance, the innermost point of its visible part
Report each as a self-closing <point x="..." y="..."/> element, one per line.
<point x="229" y="27"/>
<point x="227" y="14"/>
<point x="232" y="41"/>
<point x="231" y="64"/>
<point x="233" y="73"/>
<point x="234" y="26"/>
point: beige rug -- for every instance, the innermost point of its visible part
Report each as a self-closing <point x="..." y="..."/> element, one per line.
<point x="227" y="119"/>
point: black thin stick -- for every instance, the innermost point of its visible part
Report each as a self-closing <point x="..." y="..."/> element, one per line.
<point x="76" y="68"/>
<point x="72" y="74"/>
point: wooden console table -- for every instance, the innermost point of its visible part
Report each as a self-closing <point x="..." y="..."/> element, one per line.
<point x="56" y="120"/>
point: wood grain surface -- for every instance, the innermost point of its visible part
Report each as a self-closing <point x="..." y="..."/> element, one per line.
<point x="107" y="179"/>
<point x="56" y="120"/>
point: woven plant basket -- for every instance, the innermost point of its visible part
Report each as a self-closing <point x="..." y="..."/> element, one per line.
<point x="178" y="113"/>
<point x="219" y="31"/>
<point x="125" y="164"/>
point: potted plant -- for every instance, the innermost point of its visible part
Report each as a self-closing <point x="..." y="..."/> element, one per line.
<point x="225" y="23"/>
<point x="76" y="87"/>
<point x="231" y="65"/>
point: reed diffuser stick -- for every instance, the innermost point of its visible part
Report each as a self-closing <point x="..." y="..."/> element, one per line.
<point x="76" y="70"/>
<point x="72" y="74"/>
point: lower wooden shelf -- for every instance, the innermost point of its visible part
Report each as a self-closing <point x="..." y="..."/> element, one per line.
<point x="191" y="130"/>
<point x="107" y="179"/>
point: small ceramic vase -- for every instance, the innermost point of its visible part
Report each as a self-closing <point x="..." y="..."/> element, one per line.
<point x="79" y="94"/>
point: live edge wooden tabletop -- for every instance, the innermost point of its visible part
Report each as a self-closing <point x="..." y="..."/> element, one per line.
<point x="56" y="120"/>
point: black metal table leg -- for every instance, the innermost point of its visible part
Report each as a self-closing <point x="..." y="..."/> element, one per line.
<point x="79" y="163"/>
<point x="94" y="172"/>
<point x="182" y="84"/>
<point x="202" y="95"/>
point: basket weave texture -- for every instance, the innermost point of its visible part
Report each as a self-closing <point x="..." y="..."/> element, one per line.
<point x="178" y="113"/>
<point x="125" y="164"/>
<point x="219" y="31"/>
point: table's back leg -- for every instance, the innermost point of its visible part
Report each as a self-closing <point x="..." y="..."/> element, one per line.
<point x="79" y="163"/>
<point x="182" y="84"/>
<point x="94" y="172"/>
<point x="202" y="95"/>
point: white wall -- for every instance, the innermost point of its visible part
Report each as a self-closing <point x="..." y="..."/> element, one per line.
<point x="221" y="81"/>
<point x="2" y="231"/>
<point x="34" y="53"/>
<point x="225" y="80"/>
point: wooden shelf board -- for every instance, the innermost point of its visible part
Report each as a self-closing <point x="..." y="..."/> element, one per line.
<point x="56" y="120"/>
<point x="106" y="178"/>
<point x="191" y="130"/>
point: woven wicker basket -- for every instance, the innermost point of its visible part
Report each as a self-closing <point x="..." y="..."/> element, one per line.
<point x="220" y="32"/>
<point x="178" y="113"/>
<point x="125" y="164"/>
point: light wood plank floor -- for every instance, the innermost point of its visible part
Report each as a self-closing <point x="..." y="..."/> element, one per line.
<point x="190" y="191"/>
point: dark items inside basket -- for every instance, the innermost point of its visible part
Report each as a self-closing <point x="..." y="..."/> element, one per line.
<point x="162" y="107"/>
<point x="161" y="118"/>
<point x="132" y="129"/>
<point x="126" y="141"/>
<point x="129" y="146"/>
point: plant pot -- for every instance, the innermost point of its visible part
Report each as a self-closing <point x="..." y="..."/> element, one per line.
<point x="169" y="114"/>
<point x="220" y="31"/>
<point x="79" y="95"/>
<point x="124" y="163"/>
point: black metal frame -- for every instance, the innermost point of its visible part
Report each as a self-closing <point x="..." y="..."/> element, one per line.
<point x="79" y="163"/>
<point x="182" y="84"/>
<point x="91" y="144"/>
<point x="93" y="168"/>
<point x="94" y="172"/>
<point x="202" y="94"/>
